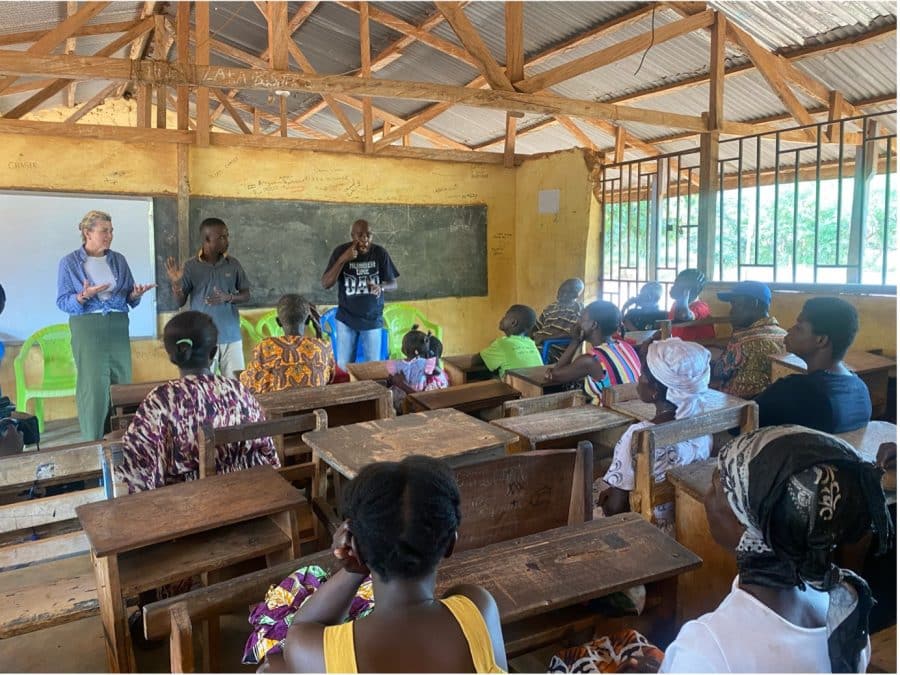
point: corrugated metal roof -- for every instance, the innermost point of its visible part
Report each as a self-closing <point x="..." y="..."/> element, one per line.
<point x="330" y="40"/>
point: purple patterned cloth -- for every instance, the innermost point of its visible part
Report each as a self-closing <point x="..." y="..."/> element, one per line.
<point x="161" y="445"/>
<point x="272" y="617"/>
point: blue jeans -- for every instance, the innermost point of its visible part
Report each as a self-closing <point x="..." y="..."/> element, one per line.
<point x="347" y="344"/>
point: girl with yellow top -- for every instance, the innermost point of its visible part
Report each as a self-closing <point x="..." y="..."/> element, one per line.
<point x="401" y="520"/>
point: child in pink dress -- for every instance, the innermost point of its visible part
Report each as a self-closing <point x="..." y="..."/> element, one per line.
<point x="420" y="370"/>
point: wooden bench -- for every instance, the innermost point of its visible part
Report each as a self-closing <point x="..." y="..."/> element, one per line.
<point x="475" y="398"/>
<point x="647" y="493"/>
<point x="545" y="403"/>
<point x="370" y="370"/>
<point x="47" y="581"/>
<point x="346" y="403"/>
<point x="884" y="651"/>
<point x="124" y="400"/>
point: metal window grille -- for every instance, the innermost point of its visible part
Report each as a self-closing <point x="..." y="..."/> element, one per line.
<point x="806" y="205"/>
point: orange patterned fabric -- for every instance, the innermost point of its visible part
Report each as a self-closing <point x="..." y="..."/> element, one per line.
<point x="289" y="361"/>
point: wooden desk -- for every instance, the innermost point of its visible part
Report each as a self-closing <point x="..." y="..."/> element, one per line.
<point x="464" y="368"/>
<point x="702" y="590"/>
<point x="345" y="403"/>
<point x="471" y="398"/>
<point x="639" y="410"/>
<point x="870" y="437"/>
<point x="873" y="369"/>
<point x="564" y="428"/>
<point x="535" y="577"/>
<point x="543" y="572"/>
<point x="370" y="370"/>
<point x="884" y="651"/>
<point x="533" y="381"/>
<point x="149" y="539"/>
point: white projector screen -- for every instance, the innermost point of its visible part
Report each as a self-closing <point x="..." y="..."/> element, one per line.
<point x="38" y="229"/>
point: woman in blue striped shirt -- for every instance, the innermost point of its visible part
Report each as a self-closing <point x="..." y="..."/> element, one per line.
<point x="96" y="289"/>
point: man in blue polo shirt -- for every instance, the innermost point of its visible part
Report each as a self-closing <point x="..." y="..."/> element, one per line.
<point x="215" y="282"/>
<point x="363" y="271"/>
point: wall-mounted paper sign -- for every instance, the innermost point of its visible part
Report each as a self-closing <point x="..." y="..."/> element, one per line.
<point x="548" y="201"/>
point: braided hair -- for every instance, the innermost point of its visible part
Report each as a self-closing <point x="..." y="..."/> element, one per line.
<point x="403" y="515"/>
<point x="425" y="345"/>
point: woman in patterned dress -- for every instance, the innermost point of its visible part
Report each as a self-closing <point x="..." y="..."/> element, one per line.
<point x="161" y="446"/>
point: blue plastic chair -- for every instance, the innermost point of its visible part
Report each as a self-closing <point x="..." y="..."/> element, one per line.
<point x="329" y="328"/>
<point x="545" y="347"/>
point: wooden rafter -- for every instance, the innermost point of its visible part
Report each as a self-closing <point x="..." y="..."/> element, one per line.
<point x="91" y="103"/>
<point x="405" y="28"/>
<point x="201" y="58"/>
<point x="52" y="38"/>
<point x="57" y="86"/>
<point x="71" y="45"/>
<point x="306" y="67"/>
<point x="235" y="115"/>
<point x="83" y="31"/>
<point x="139" y="45"/>
<point x="182" y="57"/>
<point x="514" y="15"/>
<point x="616" y="52"/>
<point x="365" y="70"/>
<point x="85" y="68"/>
<point x="390" y="120"/>
<point x="277" y="21"/>
<point x="474" y="46"/>
<point x="160" y="51"/>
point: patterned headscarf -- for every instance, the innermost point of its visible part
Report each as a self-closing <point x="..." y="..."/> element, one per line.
<point x="800" y="493"/>
<point x="684" y="368"/>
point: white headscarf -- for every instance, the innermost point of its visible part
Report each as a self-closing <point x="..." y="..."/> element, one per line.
<point x="683" y="367"/>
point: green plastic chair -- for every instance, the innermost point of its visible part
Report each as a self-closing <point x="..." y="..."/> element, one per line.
<point x="251" y="332"/>
<point x="267" y="326"/>
<point x="55" y="343"/>
<point x="399" y="318"/>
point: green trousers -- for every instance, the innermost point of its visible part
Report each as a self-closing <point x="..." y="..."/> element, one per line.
<point x="102" y="350"/>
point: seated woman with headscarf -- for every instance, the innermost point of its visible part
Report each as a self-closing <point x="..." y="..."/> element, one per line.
<point x="785" y="499"/>
<point x="674" y="377"/>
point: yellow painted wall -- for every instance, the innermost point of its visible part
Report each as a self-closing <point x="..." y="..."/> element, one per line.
<point x="59" y="164"/>
<point x="529" y="253"/>
<point x="551" y="247"/>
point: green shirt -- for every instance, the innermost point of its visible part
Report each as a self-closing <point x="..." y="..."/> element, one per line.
<point x="514" y="351"/>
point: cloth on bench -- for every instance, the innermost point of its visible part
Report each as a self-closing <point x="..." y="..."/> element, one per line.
<point x="272" y="617"/>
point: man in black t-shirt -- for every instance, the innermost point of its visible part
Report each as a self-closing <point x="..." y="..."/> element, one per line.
<point x="829" y="397"/>
<point x="363" y="271"/>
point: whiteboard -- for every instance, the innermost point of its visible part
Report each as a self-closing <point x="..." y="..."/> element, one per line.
<point x="37" y="229"/>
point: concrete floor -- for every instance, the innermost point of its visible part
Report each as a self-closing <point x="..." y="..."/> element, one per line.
<point x="77" y="647"/>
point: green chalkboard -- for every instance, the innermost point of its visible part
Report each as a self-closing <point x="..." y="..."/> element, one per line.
<point x="284" y="246"/>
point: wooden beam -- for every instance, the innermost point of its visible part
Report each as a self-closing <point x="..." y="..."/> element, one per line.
<point x="509" y="147"/>
<point x="201" y="58"/>
<point x="71" y="45"/>
<point x="767" y="66"/>
<point x="138" y="46"/>
<point x="91" y="103"/>
<point x="616" y="52"/>
<point x="302" y="14"/>
<point x="474" y="45"/>
<point x="391" y="120"/>
<point x="159" y="52"/>
<point x="182" y="57"/>
<point x="620" y="145"/>
<point x="102" y="132"/>
<point x="182" y="204"/>
<point x="401" y="26"/>
<point x="235" y="115"/>
<point x="256" y="120"/>
<point x="335" y="107"/>
<point x="144" y="97"/>
<point x="569" y="125"/>
<point x="84" y="31"/>
<point x="277" y="20"/>
<point x="52" y="38"/>
<point x="282" y="116"/>
<point x="243" y="78"/>
<point x="365" y="70"/>
<point x="430" y="112"/>
<point x="835" y="111"/>
<point x="57" y="86"/>
<point x="717" y="72"/>
<point x="514" y="23"/>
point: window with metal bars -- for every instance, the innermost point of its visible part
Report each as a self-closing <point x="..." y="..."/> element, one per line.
<point x="814" y="205"/>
